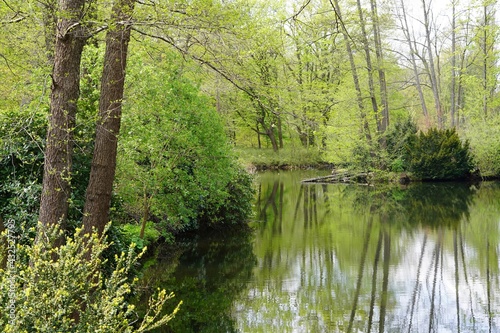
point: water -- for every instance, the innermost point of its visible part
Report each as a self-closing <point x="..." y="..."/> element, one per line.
<point x="345" y="258"/>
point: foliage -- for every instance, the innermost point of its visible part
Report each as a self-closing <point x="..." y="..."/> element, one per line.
<point x="22" y="136"/>
<point x="236" y="207"/>
<point x="131" y="234"/>
<point x="438" y="155"/>
<point x="175" y="165"/>
<point x="485" y="146"/>
<point x="288" y="157"/>
<point x="396" y="139"/>
<point x="70" y="293"/>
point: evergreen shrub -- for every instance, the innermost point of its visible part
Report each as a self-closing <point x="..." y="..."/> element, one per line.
<point x="438" y="155"/>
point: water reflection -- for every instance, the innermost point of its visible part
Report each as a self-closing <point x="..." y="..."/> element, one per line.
<point x="342" y="258"/>
<point x="207" y="273"/>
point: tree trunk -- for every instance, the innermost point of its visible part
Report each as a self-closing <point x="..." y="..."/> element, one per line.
<point x="369" y="67"/>
<point x="432" y="71"/>
<point x="69" y="42"/>
<point x="453" y="64"/>
<point x="413" y="60"/>
<point x="384" y="121"/>
<point x="102" y="173"/>
<point x="359" y="98"/>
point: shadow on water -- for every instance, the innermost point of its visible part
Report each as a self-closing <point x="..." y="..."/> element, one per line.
<point x="207" y="273"/>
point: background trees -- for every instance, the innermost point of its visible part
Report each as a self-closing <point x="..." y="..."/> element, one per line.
<point x="324" y="77"/>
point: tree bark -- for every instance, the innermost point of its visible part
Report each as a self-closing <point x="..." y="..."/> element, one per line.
<point x="359" y="97"/>
<point x="413" y="60"/>
<point x="102" y="174"/>
<point x="384" y="121"/>
<point x="453" y="105"/>
<point x="432" y="70"/>
<point x="369" y="66"/>
<point x="69" y="42"/>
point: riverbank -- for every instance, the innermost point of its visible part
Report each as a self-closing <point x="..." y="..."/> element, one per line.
<point x="297" y="158"/>
<point x="254" y="159"/>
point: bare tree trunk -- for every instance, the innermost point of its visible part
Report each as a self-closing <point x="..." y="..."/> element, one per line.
<point x="453" y="64"/>
<point x="69" y="42"/>
<point x="369" y="67"/>
<point x="384" y="121"/>
<point x="354" y="71"/>
<point x="432" y="70"/>
<point x="98" y="196"/>
<point x="413" y="60"/>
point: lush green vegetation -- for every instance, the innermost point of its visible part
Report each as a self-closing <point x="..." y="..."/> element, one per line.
<point x="438" y="155"/>
<point x="149" y="113"/>
<point x="72" y="294"/>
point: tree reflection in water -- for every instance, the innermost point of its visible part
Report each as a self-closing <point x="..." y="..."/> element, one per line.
<point x="207" y="272"/>
<point x="344" y="258"/>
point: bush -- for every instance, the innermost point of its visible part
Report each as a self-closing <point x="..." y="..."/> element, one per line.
<point x="71" y="294"/>
<point x="175" y="164"/>
<point x="438" y="155"/>
<point x="131" y="233"/>
<point x="397" y="138"/>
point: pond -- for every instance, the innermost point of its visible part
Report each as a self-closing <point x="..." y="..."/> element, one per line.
<point x="344" y="258"/>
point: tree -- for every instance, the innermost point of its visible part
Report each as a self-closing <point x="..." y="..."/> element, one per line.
<point x="355" y="77"/>
<point x="430" y="64"/>
<point x="412" y="58"/>
<point x="384" y="121"/>
<point x="70" y="39"/>
<point x="102" y="173"/>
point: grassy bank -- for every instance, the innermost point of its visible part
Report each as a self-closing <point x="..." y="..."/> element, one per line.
<point x="287" y="158"/>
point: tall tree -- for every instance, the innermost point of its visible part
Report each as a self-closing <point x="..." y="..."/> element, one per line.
<point x="453" y="88"/>
<point x="354" y="71"/>
<point x="99" y="190"/>
<point x="69" y="42"/>
<point x="432" y="68"/>
<point x="384" y="122"/>
<point x="369" y="66"/>
<point x="403" y="17"/>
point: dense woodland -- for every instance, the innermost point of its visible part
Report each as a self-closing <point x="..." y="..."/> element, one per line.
<point x="147" y="112"/>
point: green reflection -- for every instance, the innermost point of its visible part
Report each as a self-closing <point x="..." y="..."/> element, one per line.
<point x="343" y="258"/>
<point x="207" y="273"/>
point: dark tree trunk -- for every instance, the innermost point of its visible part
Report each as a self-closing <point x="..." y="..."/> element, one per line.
<point x="69" y="42"/>
<point x="102" y="174"/>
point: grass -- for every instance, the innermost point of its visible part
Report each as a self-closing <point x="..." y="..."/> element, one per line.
<point x="287" y="158"/>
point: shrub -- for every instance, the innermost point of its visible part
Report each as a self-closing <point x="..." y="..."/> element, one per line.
<point x="438" y="155"/>
<point x="397" y="138"/>
<point x="175" y="164"/>
<point x="71" y="294"/>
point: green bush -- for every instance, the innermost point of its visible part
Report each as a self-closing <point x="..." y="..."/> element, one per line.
<point x="175" y="164"/>
<point x="39" y="293"/>
<point x="131" y="233"/>
<point x="438" y="155"/>
<point x="397" y="138"/>
<point x="485" y="145"/>
<point x="22" y="135"/>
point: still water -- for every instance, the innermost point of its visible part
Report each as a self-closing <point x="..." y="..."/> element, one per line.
<point x="344" y="258"/>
